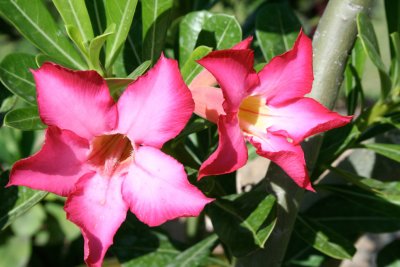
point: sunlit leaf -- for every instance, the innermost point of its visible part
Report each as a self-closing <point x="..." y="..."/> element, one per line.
<point x="25" y="119"/>
<point x="121" y="14"/>
<point x="391" y="151"/>
<point x="155" y="21"/>
<point x="34" y="21"/>
<point x="191" y="67"/>
<point x="249" y="217"/>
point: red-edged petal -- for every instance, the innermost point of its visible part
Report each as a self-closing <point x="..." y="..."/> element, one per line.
<point x="78" y="101"/>
<point x="245" y="44"/>
<point x="234" y="72"/>
<point x="98" y="208"/>
<point x="303" y="118"/>
<point x="231" y="153"/>
<point x="289" y="75"/>
<point x="157" y="188"/>
<point x="288" y="156"/>
<point x="208" y="102"/>
<point x="56" y="167"/>
<point x="156" y="107"/>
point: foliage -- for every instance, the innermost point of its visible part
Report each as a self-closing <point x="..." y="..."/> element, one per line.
<point x="121" y="41"/>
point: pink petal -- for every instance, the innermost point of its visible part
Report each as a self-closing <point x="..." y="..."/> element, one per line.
<point x="203" y="79"/>
<point x="74" y="100"/>
<point x="288" y="156"/>
<point x="208" y="102"/>
<point x="234" y="72"/>
<point x="289" y="75"/>
<point x="245" y="44"/>
<point x="56" y="167"/>
<point x="157" y="188"/>
<point x="231" y="153"/>
<point x="97" y="207"/>
<point x="156" y="107"/>
<point x="303" y="118"/>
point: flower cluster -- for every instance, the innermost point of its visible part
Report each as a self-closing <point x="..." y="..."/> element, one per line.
<point x="105" y="157"/>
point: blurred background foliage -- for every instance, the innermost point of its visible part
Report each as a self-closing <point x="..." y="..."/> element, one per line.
<point x="356" y="175"/>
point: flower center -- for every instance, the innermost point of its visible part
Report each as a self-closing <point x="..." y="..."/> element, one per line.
<point x="110" y="153"/>
<point x="253" y="115"/>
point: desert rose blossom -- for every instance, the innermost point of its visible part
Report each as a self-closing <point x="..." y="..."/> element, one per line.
<point x="105" y="157"/>
<point x="269" y="109"/>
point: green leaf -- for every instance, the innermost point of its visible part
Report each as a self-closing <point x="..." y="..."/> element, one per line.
<point x="15" y="201"/>
<point x="137" y="245"/>
<point x="360" y="211"/>
<point x="191" y="67"/>
<point x="26" y="119"/>
<point x="35" y="216"/>
<point x="16" y="75"/>
<point x="96" y="44"/>
<point x="386" y="190"/>
<point x="195" y="255"/>
<point x="324" y="239"/>
<point x="117" y="86"/>
<point x="75" y="13"/>
<point x="369" y="42"/>
<point x="277" y="28"/>
<point x="15" y="251"/>
<point x="196" y="28"/>
<point x="249" y="217"/>
<point x="35" y="23"/>
<point x="121" y="14"/>
<point x="389" y="255"/>
<point x="390" y="151"/>
<point x="140" y="70"/>
<point x="392" y="8"/>
<point x="156" y="19"/>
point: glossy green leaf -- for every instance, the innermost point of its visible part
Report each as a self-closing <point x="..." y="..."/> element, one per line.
<point x="392" y="8"/>
<point x="15" y="201"/>
<point x="74" y="34"/>
<point x="96" y="45"/>
<point x="277" y="28"/>
<point x="387" y="190"/>
<point x="75" y="13"/>
<point x="191" y="67"/>
<point x="395" y="68"/>
<point x="155" y="21"/>
<point x="140" y="70"/>
<point x="16" y="75"/>
<point x="26" y="119"/>
<point x="361" y="211"/>
<point x="121" y="14"/>
<point x="202" y="28"/>
<point x="369" y="42"/>
<point x="389" y="255"/>
<point x="391" y="151"/>
<point x="97" y="14"/>
<point x="15" y="251"/>
<point x="195" y="255"/>
<point x="324" y="240"/>
<point x="249" y="217"/>
<point x="34" y="21"/>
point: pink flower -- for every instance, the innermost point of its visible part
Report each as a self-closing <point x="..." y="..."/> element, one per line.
<point x="268" y="108"/>
<point x="105" y="157"/>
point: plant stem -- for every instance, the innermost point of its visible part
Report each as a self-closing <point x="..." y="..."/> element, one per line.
<point x="332" y="43"/>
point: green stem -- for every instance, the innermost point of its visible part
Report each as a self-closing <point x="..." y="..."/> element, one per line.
<point x="332" y="43"/>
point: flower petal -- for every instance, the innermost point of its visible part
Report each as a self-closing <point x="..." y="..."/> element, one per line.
<point x="56" y="167"/>
<point x="78" y="101"/>
<point x="231" y="153"/>
<point x="234" y="72"/>
<point x="288" y="156"/>
<point x="303" y="118"/>
<point x="289" y="75"/>
<point x="156" y="107"/>
<point x="245" y="44"/>
<point x="97" y="207"/>
<point x="208" y="102"/>
<point x="157" y="188"/>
